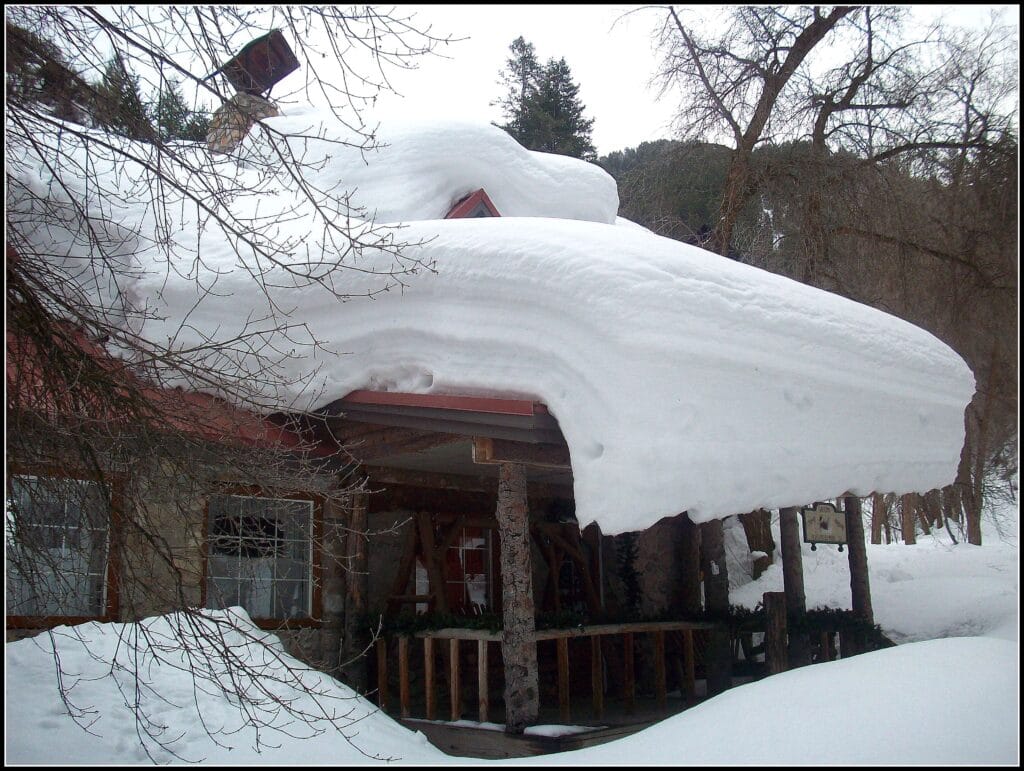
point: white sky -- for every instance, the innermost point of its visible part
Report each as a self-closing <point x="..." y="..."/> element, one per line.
<point x="609" y="51"/>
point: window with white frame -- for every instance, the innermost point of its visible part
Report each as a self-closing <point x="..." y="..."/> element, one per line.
<point x="260" y="555"/>
<point x="467" y="572"/>
<point x="56" y="533"/>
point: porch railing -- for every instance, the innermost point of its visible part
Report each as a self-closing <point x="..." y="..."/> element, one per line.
<point x="453" y="637"/>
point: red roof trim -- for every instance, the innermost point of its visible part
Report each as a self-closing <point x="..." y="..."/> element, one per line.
<point x="445" y="402"/>
<point x="469" y="203"/>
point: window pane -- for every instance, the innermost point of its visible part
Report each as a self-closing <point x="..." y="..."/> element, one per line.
<point x="266" y="543"/>
<point x="56" y="546"/>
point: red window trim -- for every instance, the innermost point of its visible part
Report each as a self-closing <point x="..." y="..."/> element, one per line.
<point x="463" y="208"/>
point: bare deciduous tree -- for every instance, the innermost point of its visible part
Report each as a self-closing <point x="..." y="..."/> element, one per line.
<point x="116" y="461"/>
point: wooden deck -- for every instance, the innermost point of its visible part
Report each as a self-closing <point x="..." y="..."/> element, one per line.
<point x="469" y="741"/>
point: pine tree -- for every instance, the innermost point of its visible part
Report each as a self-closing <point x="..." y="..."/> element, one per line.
<point x="119" y="104"/>
<point x="521" y="77"/>
<point x="557" y="114"/>
<point x="542" y="108"/>
<point x="173" y="117"/>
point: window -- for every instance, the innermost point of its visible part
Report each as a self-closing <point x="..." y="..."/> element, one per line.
<point x="56" y="533"/>
<point x="467" y="573"/>
<point x="261" y="556"/>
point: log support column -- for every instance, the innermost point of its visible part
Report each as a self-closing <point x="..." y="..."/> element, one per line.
<point x="518" y="647"/>
<point x="793" y="582"/>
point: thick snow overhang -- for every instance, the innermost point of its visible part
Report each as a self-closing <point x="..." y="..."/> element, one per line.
<point x="680" y="380"/>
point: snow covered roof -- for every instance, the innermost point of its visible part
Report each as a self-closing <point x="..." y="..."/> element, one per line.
<point x="681" y="380"/>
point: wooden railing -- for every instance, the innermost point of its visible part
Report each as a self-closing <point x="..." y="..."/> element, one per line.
<point x="483" y="638"/>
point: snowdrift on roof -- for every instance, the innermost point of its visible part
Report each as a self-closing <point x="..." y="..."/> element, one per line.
<point x="681" y="380"/>
<point x="423" y="168"/>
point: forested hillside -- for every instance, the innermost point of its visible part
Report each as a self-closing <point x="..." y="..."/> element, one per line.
<point x="891" y="179"/>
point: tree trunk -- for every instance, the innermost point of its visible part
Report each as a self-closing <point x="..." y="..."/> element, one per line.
<point x="860" y="586"/>
<point x="907" y="524"/>
<point x="518" y="647"/>
<point x="879" y="513"/>
<point x="716" y="597"/>
<point x="758" y="528"/>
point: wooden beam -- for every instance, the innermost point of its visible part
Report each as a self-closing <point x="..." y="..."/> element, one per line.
<point x="860" y="585"/>
<point x="428" y="675"/>
<point x="562" y="644"/>
<point x="382" y="674"/>
<point x="689" y="668"/>
<point x="793" y="582"/>
<point x="454" y="681"/>
<point x="629" y="673"/>
<point x="403" y="676"/>
<point x="487" y="450"/>
<point x="435" y="573"/>
<point x="775" y="633"/>
<point x="382" y="475"/>
<point x="405" y="566"/>
<point x="660" y="688"/>
<point x="483" y="693"/>
<point x="597" y="676"/>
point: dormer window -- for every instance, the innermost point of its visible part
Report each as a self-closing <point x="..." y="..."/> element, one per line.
<point x="477" y="204"/>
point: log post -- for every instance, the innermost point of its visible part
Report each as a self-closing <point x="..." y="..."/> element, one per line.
<point x="356" y="638"/>
<point x="481" y="676"/>
<point x="562" y="645"/>
<point x="907" y="522"/>
<point x="382" y="674"/>
<point x="454" y="681"/>
<point x="757" y="525"/>
<point x="689" y="560"/>
<point x="403" y="676"/>
<point x="334" y="584"/>
<point x="428" y="676"/>
<point x="860" y="585"/>
<point x="879" y="513"/>
<point x="716" y="593"/>
<point x="660" y="687"/>
<point x="689" y="668"/>
<point x="518" y="647"/>
<point x="597" y="676"/>
<point x="793" y="582"/>
<point x="775" y="633"/>
<point x="629" y="673"/>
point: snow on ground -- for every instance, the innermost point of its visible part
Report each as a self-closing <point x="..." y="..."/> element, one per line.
<point x="932" y="589"/>
<point x="681" y="380"/>
<point x="932" y="701"/>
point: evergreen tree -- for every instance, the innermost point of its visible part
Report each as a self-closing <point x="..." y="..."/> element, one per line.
<point x="542" y="108"/>
<point x="119" y="104"/>
<point x="174" y="119"/>
<point x="521" y="77"/>
<point x="556" y="117"/>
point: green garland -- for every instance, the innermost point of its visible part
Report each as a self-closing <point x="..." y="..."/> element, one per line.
<point x="739" y="620"/>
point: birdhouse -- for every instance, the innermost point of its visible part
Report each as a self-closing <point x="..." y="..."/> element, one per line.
<point x="261" y="64"/>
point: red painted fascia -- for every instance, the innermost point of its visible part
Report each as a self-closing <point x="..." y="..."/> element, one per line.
<point x="447" y="402"/>
<point x="470" y="202"/>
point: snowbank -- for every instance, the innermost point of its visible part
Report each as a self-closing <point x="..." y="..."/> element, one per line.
<point x="853" y="711"/>
<point x="680" y="379"/>
<point x="171" y="666"/>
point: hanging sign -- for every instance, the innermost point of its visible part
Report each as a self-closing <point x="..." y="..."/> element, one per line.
<point x="824" y="524"/>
